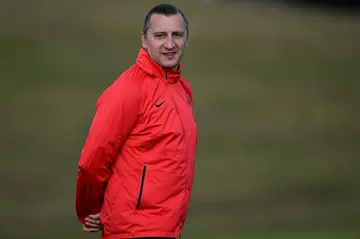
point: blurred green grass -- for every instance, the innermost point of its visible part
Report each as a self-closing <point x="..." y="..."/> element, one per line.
<point x="276" y="100"/>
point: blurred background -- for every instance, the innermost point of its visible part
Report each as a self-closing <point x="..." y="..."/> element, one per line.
<point x="276" y="101"/>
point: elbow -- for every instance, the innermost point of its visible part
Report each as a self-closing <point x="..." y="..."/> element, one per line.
<point x="89" y="163"/>
<point x="96" y="163"/>
<point x="94" y="172"/>
<point x="86" y="169"/>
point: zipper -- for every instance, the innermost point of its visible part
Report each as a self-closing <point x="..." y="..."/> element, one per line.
<point x="141" y="188"/>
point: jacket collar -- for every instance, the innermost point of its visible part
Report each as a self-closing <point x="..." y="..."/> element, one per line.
<point x="146" y="63"/>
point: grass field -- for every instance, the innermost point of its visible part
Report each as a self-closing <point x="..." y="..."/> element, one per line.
<point x="276" y="100"/>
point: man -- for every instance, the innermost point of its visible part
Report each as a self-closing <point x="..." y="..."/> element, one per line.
<point x="136" y="167"/>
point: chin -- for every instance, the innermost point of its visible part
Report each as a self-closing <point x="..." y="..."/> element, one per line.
<point x="168" y="64"/>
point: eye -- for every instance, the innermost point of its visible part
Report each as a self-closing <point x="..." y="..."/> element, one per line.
<point x="178" y="34"/>
<point x="159" y="35"/>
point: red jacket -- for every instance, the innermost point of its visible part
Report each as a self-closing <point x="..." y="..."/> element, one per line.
<point x="137" y="163"/>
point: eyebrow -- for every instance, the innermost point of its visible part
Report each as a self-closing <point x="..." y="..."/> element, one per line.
<point x="163" y="32"/>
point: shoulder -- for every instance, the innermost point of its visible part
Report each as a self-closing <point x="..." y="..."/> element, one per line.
<point x="131" y="77"/>
<point x="127" y="86"/>
<point x="129" y="80"/>
<point x="185" y="83"/>
<point x="186" y="86"/>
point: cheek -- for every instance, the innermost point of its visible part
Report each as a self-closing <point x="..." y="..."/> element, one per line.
<point x="153" y="51"/>
<point x="155" y="48"/>
<point x="180" y="44"/>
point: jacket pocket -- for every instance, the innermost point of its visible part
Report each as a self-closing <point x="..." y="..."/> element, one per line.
<point x="143" y="174"/>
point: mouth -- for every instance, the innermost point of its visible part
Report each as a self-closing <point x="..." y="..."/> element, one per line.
<point x="169" y="55"/>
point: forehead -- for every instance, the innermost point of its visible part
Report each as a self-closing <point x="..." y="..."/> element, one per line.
<point x="166" y="23"/>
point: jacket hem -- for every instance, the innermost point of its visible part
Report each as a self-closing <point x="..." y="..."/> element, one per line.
<point x="140" y="234"/>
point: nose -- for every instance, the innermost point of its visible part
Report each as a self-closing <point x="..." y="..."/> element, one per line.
<point x="169" y="44"/>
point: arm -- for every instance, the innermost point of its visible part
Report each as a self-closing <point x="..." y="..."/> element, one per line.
<point x="116" y="114"/>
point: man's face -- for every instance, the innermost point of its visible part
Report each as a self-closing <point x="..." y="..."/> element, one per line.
<point x="166" y="39"/>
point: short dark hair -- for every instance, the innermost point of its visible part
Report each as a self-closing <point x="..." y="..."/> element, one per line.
<point x="167" y="10"/>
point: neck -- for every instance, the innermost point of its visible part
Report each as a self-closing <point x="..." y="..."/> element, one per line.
<point x="175" y="68"/>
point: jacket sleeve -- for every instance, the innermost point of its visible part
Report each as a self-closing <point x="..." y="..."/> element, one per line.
<point x="117" y="112"/>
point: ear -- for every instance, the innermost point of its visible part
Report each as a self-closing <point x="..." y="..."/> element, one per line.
<point x="143" y="40"/>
